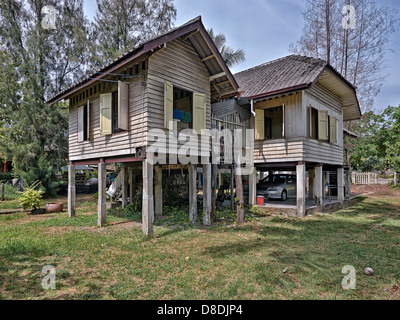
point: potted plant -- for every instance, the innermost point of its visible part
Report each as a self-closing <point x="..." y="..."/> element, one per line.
<point x="31" y="198"/>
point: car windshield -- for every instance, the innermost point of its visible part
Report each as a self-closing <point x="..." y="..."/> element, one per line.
<point x="274" y="179"/>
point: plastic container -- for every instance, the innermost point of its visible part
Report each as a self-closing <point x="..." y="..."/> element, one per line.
<point x="260" y="200"/>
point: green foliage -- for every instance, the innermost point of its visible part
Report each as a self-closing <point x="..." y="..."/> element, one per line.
<point x="10" y="193"/>
<point x="31" y="197"/>
<point x="5" y="176"/>
<point x="378" y="147"/>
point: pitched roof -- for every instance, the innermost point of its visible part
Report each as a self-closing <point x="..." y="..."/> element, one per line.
<point x="295" y="73"/>
<point x="195" y="32"/>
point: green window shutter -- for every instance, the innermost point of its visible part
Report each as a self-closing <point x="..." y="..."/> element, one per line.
<point x="123" y="106"/>
<point x="199" y="112"/>
<point x="323" y="125"/>
<point x="81" y="122"/>
<point x="168" y="105"/>
<point x="105" y="114"/>
<point x="333" y="130"/>
<point x="259" y="126"/>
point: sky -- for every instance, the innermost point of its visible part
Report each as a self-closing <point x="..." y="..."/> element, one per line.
<point x="265" y="29"/>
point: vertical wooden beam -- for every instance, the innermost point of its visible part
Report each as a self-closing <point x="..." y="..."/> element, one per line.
<point x="340" y="184"/>
<point x="193" y="193"/>
<point x="71" y="191"/>
<point x="395" y="179"/>
<point x="102" y="205"/>
<point x="158" y="192"/>
<point x="214" y="177"/>
<point x="207" y="194"/>
<point x="348" y="184"/>
<point x="232" y="184"/>
<point x="2" y="191"/>
<point x="131" y="185"/>
<point x="148" y="197"/>
<point x="301" y="189"/>
<point x="124" y="187"/>
<point x="311" y="177"/>
<point x="253" y="188"/>
<point x="318" y="187"/>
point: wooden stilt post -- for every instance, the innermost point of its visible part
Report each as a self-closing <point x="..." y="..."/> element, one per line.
<point x="71" y="191"/>
<point x="214" y="177"/>
<point x="2" y="191"/>
<point x="395" y="179"/>
<point x="253" y="188"/>
<point x="207" y="194"/>
<point x="318" y="188"/>
<point x="232" y="177"/>
<point x="148" y="197"/>
<point x="301" y="189"/>
<point x="158" y="192"/>
<point x="131" y="184"/>
<point x="102" y="205"/>
<point x="124" y="187"/>
<point x="193" y="193"/>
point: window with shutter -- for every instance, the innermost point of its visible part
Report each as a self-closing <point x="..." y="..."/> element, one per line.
<point x="259" y="125"/>
<point x="323" y="125"/>
<point x="168" y="105"/>
<point x="83" y="122"/>
<point x="333" y="130"/>
<point x="313" y="122"/>
<point x="123" y="106"/>
<point x="106" y="114"/>
<point x="199" y="112"/>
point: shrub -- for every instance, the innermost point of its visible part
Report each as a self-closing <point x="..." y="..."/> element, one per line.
<point x="6" y="176"/>
<point x="10" y="192"/>
<point x="31" y="197"/>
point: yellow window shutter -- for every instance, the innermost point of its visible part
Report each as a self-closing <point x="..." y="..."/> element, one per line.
<point x="123" y="105"/>
<point x="81" y="122"/>
<point x="199" y="112"/>
<point x="323" y="125"/>
<point x="168" y="105"/>
<point x="105" y="114"/>
<point x="88" y="120"/>
<point x="333" y="130"/>
<point x="260" y="127"/>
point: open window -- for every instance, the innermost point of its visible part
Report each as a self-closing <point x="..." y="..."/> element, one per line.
<point x="274" y="123"/>
<point x="313" y="122"/>
<point x="184" y="109"/>
<point x="114" y="110"/>
<point x="83" y="122"/>
<point x="322" y="126"/>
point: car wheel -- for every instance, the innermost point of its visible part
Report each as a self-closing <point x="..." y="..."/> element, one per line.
<point x="284" y="195"/>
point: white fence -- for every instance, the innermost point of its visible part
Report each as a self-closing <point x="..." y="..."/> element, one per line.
<point x="364" y="178"/>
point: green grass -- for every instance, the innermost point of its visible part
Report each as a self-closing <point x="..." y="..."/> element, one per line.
<point x="221" y="262"/>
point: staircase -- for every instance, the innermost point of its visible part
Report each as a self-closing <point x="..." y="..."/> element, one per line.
<point x="115" y="190"/>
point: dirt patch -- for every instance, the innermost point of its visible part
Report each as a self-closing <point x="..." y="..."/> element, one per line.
<point x="376" y="189"/>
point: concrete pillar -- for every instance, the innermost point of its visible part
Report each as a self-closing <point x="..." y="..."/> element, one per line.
<point x="301" y="189"/>
<point x="131" y="185"/>
<point x="101" y="207"/>
<point x="71" y="191"/>
<point x="340" y="184"/>
<point x="348" y="184"/>
<point x="207" y="194"/>
<point x="192" y="193"/>
<point x="148" y="197"/>
<point x="158" y="192"/>
<point x="253" y="188"/>
<point x="318" y="187"/>
<point x="124" y="187"/>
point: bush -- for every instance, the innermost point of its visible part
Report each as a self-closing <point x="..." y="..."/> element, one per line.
<point x="6" y="176"/>
<point x="10" y="192"/>
<point x="31" y="198"/>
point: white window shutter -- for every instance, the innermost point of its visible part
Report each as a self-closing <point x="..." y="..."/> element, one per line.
<point x="123" y="106"/>
<point x="259" y="125"/>
<point x="88" y="120"/>
<point x="323" y="125"/>
<point x="283" y="121"/>
<point x="81" y="112"/>
<point x="105" y="114"/>
<point x="199" y="112"/>
<point x="168" y="105"/>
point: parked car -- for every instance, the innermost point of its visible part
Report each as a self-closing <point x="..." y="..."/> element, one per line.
<point x="277" y="186"/>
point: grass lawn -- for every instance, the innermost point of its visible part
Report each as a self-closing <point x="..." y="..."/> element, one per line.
<point x="221" y="262"/>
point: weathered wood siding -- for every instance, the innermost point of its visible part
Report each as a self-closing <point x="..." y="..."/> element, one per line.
<point x="114" y="145"/>
<point x="179" y="64"/>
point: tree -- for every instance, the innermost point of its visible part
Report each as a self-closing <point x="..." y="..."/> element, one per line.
<point x="35" y="63"/>
<point x="231" y="57"/>
<point x="121" y="25"/>
<point x="358" y="54"/>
